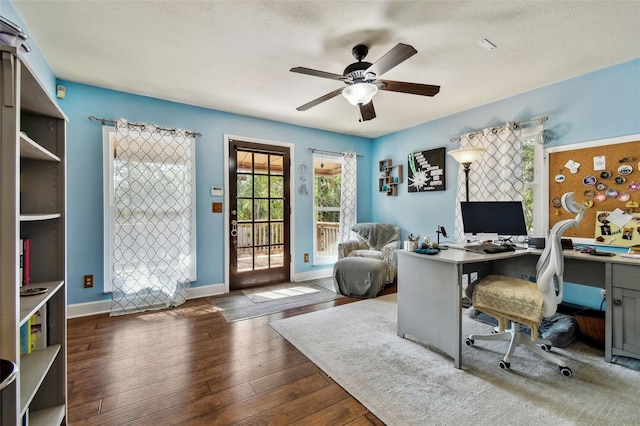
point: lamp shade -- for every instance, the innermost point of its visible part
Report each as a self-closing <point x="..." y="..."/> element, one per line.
<point x="466" y="155"/>
<point x="360" y="93"/>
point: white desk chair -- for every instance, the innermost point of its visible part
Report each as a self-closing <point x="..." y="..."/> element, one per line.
<point x="519" y="301"/>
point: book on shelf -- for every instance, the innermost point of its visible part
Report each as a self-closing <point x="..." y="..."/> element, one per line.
<point x="26" y="261"/>
<point x="25" y="338"/>
<point x="38" y="324"/>
<point x="33" y="333"/>
<point x="21" y="273"/>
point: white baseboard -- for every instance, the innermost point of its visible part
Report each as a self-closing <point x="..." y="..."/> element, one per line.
<point x="90" y="308"/>
<point x="312" y="275"/>
<point x="104" y="306"/>
<point x="206" y="291"/>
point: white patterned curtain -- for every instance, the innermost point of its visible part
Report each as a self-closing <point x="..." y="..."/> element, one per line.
<point x="498" y="174"/>
<point x="153" y="225"/>
<point x="348" y="194"/>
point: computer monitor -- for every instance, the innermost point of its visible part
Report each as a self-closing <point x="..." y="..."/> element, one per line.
<point x="503" y="218"/>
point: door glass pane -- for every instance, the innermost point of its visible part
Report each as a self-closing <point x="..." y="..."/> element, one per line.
<point x="277" y="209"/>
<point x="276" y="258"/>
<point x="245" y="209"/>
<point x="245" y="162"/>
<point x="261" y="234"/>
<point x="276" y="165"/>
<point x="261" y="186"/>
<point x="261" y="163"/>
<point x="277" y="186"/>
<point x="261" y="259"/>
<point x="261" y="211"/>
<point x="245" y="235"/>
<point x="245" y="259"/>
<point x="277" y="232"/>
<point x="244" y="184"/>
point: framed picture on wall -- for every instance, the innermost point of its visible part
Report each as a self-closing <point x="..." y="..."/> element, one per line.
<point x="427" y="170"/>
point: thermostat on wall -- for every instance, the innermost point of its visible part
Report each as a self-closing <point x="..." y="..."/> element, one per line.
<point x="216" y="191"/>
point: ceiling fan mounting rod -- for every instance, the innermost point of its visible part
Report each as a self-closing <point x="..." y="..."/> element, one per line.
<point x="360" y="52"/>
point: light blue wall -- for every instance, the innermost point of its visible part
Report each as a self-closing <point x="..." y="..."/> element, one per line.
<point x="599" y="105"/>
<point x="84" y="157"/>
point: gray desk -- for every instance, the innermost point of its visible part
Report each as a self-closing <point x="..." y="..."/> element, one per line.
<point x="430" y="292"/>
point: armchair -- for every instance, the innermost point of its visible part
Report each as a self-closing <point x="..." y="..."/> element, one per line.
<point x="374" y="241"/>
<point x="523" y="302"/>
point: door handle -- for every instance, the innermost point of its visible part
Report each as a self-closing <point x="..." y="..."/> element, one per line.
<point x="234" y="228"/>
<point x="617" y="302"/>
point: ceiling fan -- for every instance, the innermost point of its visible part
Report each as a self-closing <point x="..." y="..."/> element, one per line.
<point x="362" y="83"/>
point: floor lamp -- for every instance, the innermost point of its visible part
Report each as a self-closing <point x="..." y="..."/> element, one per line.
<point x="466" y="156"/>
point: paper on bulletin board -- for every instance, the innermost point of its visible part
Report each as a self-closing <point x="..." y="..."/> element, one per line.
<point x="608" y="232"/>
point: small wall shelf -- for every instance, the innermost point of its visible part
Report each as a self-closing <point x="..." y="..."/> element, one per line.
<point x="389" y="180"/>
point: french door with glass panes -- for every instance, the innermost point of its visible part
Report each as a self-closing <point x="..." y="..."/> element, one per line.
<point x="259" y="208"/>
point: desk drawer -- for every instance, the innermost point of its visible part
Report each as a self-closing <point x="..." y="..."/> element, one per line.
<point x="625" y="276"/>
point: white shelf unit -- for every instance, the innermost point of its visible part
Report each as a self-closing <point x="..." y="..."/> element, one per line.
<point x="33" y="197"/>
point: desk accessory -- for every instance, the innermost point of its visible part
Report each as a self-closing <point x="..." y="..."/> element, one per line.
<point x="33" y="291"/>
<point x="430" y="251"/>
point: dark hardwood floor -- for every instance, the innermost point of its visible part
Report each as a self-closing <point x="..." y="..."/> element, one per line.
<point x="188" y="366"/>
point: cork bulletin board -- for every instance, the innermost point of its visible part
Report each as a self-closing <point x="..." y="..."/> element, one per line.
<point x="603" y="178"/>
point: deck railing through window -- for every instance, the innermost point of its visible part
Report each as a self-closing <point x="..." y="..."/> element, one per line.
<point x="327" y="238"/>
<point x="326" y="233"/>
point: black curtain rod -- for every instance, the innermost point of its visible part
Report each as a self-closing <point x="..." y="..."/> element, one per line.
<point x="113" y="122"/>
<point x="322" y="151"/>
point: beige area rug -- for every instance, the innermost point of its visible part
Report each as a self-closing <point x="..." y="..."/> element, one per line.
<point x="239" y="305"/>
<point x="405" y="383"/>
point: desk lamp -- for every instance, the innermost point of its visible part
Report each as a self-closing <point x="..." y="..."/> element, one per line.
<point x="442" y="231"/>
<point x="466" y="156"/>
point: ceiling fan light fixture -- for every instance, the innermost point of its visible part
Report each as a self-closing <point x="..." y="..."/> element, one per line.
<point x="360" y="93"/>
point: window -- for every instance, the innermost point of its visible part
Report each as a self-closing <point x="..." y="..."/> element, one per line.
<point x="327" y="179"/>
<point x="533" y="167"/>
<point x="143" y="242"/>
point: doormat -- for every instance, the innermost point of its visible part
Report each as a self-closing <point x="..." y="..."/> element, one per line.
<point x="237" y="306"/>
<point x="279" y="291"/>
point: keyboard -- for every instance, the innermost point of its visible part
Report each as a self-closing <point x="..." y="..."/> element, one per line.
<point x="486" y="248"/>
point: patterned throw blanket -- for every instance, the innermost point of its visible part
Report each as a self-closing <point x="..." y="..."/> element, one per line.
<point x="509" y="299"/>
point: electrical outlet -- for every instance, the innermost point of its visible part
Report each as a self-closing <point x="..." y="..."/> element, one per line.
<point x="306" y="257"/>
<point x="473" y="276"/>
<point x="603" y="292"/>
<point x="88" y="281"/>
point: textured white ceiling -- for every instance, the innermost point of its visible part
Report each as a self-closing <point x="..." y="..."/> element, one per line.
<point x="235" y="55"/>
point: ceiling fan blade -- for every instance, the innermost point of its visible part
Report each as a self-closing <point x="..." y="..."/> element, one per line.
<point x="367" y="112"/>
<point x="398" y="54"/>
<point x="316" y="73"/>
<point x="320" y="100"/>
<point x="411" y="88"/>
